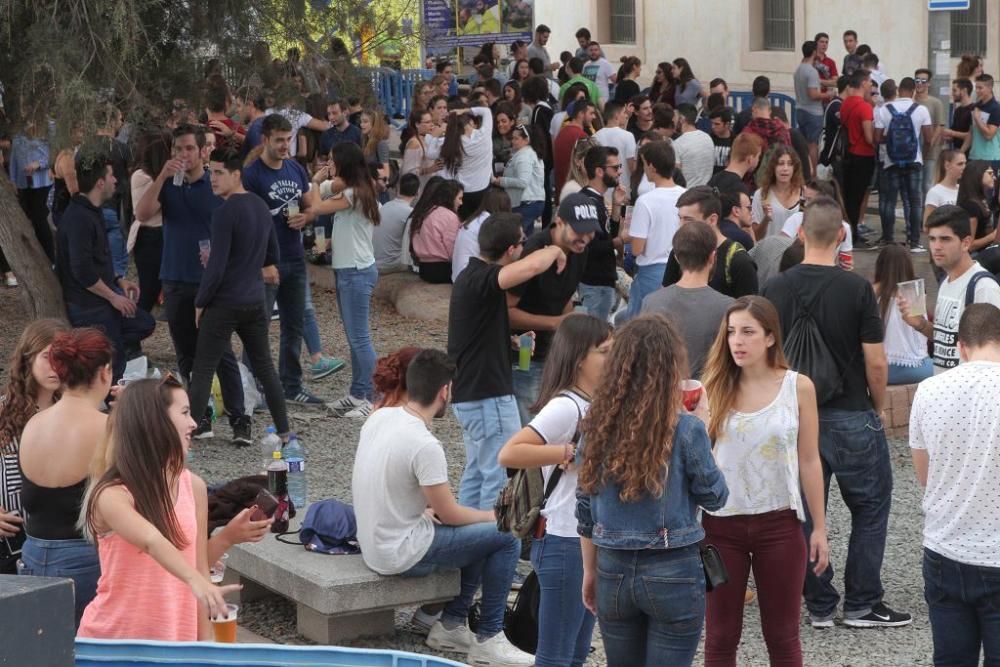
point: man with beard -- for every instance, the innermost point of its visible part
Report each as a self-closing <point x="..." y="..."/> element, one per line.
<point x="603" y="165"/>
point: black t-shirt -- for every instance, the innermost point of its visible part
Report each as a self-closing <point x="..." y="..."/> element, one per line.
<point x="847" y="314"/>
<point x="601" y="268"/>
<point x="727" y="181"/>
<point x="734" y="275"/>
<point x="549" y="292"/>
<point x="731" y="230"/>
<point x="478" y="334"/>
<point x="723" y="146"/>
<point x="742" y="120"/>
<point x="83" y="255"/>
<point x="961" y="121"/>
<point x="982" y="216"/>
<point x="801" y="147"/>
<point x="626" y="90"/>
<point x="120" y="159"/>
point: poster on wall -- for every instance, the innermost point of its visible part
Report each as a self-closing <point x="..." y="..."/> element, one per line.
<point x="471" y="23"/>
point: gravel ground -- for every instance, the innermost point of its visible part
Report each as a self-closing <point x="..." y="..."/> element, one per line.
<point x="331" y="444"/>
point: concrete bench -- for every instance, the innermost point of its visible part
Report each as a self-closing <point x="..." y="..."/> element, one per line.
<point x="899" y="398"/>
<point x="336" y="597"/>
<point x="404" y="290"/>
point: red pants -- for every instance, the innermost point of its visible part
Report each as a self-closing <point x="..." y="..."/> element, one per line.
<point x="774" y="545"/>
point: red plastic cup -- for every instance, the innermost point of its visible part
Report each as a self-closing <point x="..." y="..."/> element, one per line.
<point x="691" y="394"/>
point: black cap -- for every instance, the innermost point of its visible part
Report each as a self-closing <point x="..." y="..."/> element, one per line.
<point x="579" y="212"/>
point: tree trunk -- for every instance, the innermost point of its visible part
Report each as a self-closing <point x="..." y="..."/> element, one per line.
<point x="39" y="287"/>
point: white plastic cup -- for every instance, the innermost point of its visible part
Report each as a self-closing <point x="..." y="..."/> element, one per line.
<point x="916" y="297"/>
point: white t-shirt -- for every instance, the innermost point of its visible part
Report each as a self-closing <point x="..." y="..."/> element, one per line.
<point x="351" y="237"/>
<point x="956" y="418"/>
<point x="624" y="141"/>
<point x="948" y="311"/>
<point x="599" y="71"/>
<point x="941" y="195"/>
<point x="645" y="185"/>
<point x="779" y="214"/>
<point x="695" y="157"/>
<point x="477" y="164"/>
<point x="556" y="124"/>
<point x="556" y="423"/>
<point x="655" y="219"/>
<point x="466" y="244"/>
<point x="920" y="117"/>
<point x="794" y="221"/>
<point x="396" y="456"/>
<point x="298" y="119"/>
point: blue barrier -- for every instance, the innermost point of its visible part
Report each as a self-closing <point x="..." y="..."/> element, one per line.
<point x="394" y="88"/>
<point x="741" y="101"/>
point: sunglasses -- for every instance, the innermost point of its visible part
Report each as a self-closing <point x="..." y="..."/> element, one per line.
<point x="920" y="80"/>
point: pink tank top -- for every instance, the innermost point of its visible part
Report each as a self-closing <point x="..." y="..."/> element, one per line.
<point x="136" y="598"/>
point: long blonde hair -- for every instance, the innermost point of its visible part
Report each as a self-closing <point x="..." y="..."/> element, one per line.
<point x="379" y="132"/>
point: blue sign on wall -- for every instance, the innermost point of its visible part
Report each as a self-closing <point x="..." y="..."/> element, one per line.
<point x="947" y="5"/>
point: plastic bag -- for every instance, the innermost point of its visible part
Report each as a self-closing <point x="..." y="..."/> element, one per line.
<point x="251" y="396"/>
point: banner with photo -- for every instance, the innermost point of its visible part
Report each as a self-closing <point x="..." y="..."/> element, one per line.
<point x="471" y="23"/>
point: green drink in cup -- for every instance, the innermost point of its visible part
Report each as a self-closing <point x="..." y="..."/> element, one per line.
<point x="524" y="345"/>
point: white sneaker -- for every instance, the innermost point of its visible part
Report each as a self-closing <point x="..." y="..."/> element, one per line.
<point x="424" y="621"/>
<point x="497" y="651"/>
<point x="457" y="641"/>
<point x="11" y="280"/>
<point x="360" y="412"/>
<point x="342" y="406"/>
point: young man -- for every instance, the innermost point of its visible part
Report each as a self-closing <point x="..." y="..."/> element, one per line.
<point x="537" y="49"/>
<point x="984" y="142"/>
<point x="583" y="41"/>
<point x="340" y="129"/>
<point x="574" y="67"/>
<point x="744" y="156"/>
<point x="231" y="295"/>
<point x="721" y="131"/>
<point x="809" y="99"/>
<point x="281" y="181"/>
<point x="761" y="88"/>
<point x="736" y="223"/>
<point x="479" y="344"/>
<point x="95" y="295"/>
<point x="228" y="132"/>
<point x="388" y="236"/>
<point x="955" y="443"/>
<point x="695" y="308"/>
<point x="826" y="66"/>
<point x="614" y="135"/>
<point x="250" y="106"/>
<point x="851" y="436"/>
<point x="852" y="61"/>
<point x="831" y="122"/>
<point x="939" y="117"/>
<point x="950" y="237"/>
<point x="902" y="173"/>
<point x="187" y="220"/>
<point x="654" y="222"/>
<point x="298" y="120"/>
<point x="600" y="71"/>
<point x="694" y="149"/>
<point x="579" y="119"/>
<point x="409" y="522"/>
<point x="734" y="273"/>
<point x="961" y="115"/>
<point x="540" y="304"/>
<point x="770" y="130"/>
<point x="603" y="164"/>
<point x="857" y="118"/>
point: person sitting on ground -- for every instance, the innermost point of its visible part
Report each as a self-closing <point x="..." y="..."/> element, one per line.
<point x="410" y="524"/>
<point x="389" y="236"/>
<point x="434" y="226"/>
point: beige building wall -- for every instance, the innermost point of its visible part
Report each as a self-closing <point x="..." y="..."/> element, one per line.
<point x="723" y="37"/>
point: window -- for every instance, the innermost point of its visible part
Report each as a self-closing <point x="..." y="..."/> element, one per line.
<point x="779" y="25"/>
<point x="622" y="16"/>
<point x="968" y="30"/>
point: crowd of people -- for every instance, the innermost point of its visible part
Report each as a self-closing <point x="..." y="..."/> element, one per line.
<point x="538" y="191"/>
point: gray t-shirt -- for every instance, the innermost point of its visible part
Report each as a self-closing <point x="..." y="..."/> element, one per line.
<point x="536" y="51"/>
<point x="396" y="456"/>
<point x="806" y="77"/>
<point x="696" y="311"/>
<point x="387" y="236"/>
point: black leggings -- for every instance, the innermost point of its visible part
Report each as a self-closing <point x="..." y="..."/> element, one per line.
<point x="858" y="172"/>
<point x="35" y="203"/>
<point x="148" y="253"/>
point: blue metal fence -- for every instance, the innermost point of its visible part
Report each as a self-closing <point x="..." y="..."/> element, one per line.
<point x="741" y="101"/>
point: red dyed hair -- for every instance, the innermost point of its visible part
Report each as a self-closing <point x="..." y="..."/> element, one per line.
<point x="390" y="376"/>
<point x="78" y="354"/>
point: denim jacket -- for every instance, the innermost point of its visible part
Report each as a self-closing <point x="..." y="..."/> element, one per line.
<point x="673" y="520"/>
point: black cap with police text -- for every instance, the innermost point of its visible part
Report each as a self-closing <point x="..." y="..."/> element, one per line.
<point x="579" y="212"/>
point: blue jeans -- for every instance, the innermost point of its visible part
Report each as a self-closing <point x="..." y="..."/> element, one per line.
<point x="853" y="447"/>
<point x="597" y="300"/>
<point x="116" y="241"/>
<point x="651" y="605"/>
<point x="529" y="212"/>
<point x="486" y="557"/>
<point x="647" y="279"/>
<point x="526" y="386"/>
<point x="963" y="602"/>
<point x="354" y="300"/>
<point x="125" y="333"/>
<point x="290" y="294"/>
<point x="810" y="125"/>
<point x="911" y="374"/>
<point x="907" y="182"/>
<point x="66" y="559"/>
<point x="565" y="627"/>
<point x="486" y="425"/>
<point x="310" y="328"/>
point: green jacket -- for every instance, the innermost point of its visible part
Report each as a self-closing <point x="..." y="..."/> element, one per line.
<point x="592" y="91"/>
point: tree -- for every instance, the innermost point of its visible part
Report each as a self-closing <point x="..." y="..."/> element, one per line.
<point x="67" y="58"/>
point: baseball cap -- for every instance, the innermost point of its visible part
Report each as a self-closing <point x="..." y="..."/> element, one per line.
<point x="579" y="212"/>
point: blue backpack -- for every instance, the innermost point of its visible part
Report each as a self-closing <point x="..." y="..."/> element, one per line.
<point x="901" y="137"/>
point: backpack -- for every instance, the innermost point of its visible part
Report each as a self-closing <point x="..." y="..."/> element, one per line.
<point x="901" y="137"/>
<point x="970" y="291"/>
<point x="727" y="266"/>
<point x="520" y="503"/>
<point x="808" y="353"/>
<point x="835" y="150"/>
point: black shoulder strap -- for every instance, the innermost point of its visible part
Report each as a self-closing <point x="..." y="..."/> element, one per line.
<point x="557" y="473"/>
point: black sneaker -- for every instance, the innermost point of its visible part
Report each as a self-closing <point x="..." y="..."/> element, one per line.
<point x="880" y="617"/>
<point x="204" y="430"/>
<point x="242" y="434"/>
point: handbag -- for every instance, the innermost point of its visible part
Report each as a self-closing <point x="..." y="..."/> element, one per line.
<point x="715" y="568"/>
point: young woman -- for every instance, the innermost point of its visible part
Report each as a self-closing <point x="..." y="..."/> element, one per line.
<point x="977" y="195"/>
<point x="523" y="177"/>
<point x="779" y="194"/>
<point x="662" y="89"/>
<point x="29" y="170"/>
<point x="434" y="225"/>
<point x="534" y="92"/>
<point x="64" y="184"/>
<point x="149" y="515"/>
<point x="438" y="107"/>
<point x="375" y="137"/>
<point x="628" y="75"/>
<point x="32" y="386"/>
<point x="415" y="157"/>
<point x="811" y="190"/>
<point x="467" y="241"/>
<point x="390" y="377"/>
<point x="573" y="372"/>
<point x="522" y="71"/>
<point x="423" y="91"/>
<point x="147" y="243"/>
<point x="577" y="178"/>
<point x="688" y="88"/>
<point x="951" y="166"/>
<point x="905" y="347"/>
<point x="55" y="461"/>
<point x="504" y="120"/>
<point x="512" y="95"/>
<point x="351" y="198"/>
<point x="764" y="423"/>
<point x="647" y="468"/>
<point x="467" y="154"/>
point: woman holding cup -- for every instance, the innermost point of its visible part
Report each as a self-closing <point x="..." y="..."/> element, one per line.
<point x="765" y="426"/>
<point x="905" y="347"/>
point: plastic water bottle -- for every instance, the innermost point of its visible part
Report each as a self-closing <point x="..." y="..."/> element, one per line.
<point x="268" y="445"/>
<point x="277" y="484"/>
<point x="295" y="457"/>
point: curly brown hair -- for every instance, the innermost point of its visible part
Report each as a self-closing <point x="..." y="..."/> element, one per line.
<point x="390" y="376"/>
<point x="18" y="402"/>
<point x="629" y="430"/>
